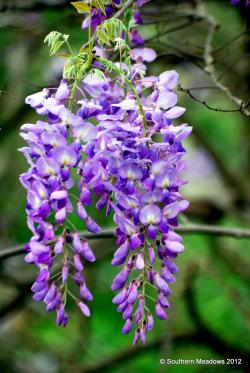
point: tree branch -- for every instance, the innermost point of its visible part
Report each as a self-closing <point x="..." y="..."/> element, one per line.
<point x="110" y="233"/>
<point x="203" y="102"/>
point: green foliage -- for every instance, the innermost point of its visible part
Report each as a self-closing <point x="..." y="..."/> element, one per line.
<point x="120" y="44"/>
<point x="55" y="41"/>
<point x="110" y="66"/>
<point x="99" y="4"/>
<point x="109" y="31"/>
<point x="96" y="72"/>
<point x="75" y="66"/>
<point x="80" y="6"/>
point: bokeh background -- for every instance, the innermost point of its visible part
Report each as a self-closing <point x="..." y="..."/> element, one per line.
<point x="210" y="315"/>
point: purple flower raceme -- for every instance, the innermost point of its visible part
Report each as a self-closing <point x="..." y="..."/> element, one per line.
<point x="237" y="2"/>
<point x="53" y="153"/>
<point x="131" y="161"/>
<point x="139" y="179"/>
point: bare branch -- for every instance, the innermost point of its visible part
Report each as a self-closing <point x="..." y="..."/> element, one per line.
<point x="209" y="68"/>
<point x="189" y="229"/>
<point x="203" y="102"/>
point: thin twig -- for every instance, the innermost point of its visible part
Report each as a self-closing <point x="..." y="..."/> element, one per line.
<point x="209" y="69"/>
<point x="203" y="102"/>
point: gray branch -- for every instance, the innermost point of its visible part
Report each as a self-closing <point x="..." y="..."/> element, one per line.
<point x="188" y="229"/>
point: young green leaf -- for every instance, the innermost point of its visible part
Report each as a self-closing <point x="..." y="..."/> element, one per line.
<point x="55" y="40"/>
<point x="102" y="36"/>
<point x="80" y="6"/>
<point x="99" y="4"/>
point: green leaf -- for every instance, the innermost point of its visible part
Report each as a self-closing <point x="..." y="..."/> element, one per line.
<point x="110" y="66"/>
<point x="55" y="40"/>
<point x="99" y="4"/>
<point x="63" y="55"/>
<point x="110" y="30"/>
<point x="96" y="72"/>
<point x="102" y="36"/>
<point x="80" y="6"/>
<point x="121" y="44"/>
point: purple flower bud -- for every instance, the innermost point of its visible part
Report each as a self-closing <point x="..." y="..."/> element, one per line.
<point x="152" y="232"/>
<point x="92" y="226"/>
<point x="85" y="293"/>
<point x="140" y="261"/>
<point x="79" y="279"/>
<point x="61" y="318"/>
<point x="59" y="246"/>
<point x="77" y="244"/>
<point x="87" y="253"/>
<point x="143" y="332"/>
<point x="167" y="275"/>
<point x="83" y="308"/>
<point x="161" y="284"/>
<point x="151" y="254"/>
<point x="159" y="311"/>
<point x="40" y="294"/>
<point x="150" y="276"/>
<point x="140" y="310"/>
<point x="53" y="304"/>
<point x="102" y="202"/>
<point x="120" y="297"/>
<point x="135" y="241"/>
<point x="150" y="322"/>
<point x="163" y="300"/>
<point x="81" y="211"/>
<point x="128" y="312"/>
<point x="174" y="247"/>
<point x="44" y="258"/>
<point x="171" y="266"/>
<point x="122" y="306"/>
<point x="133" y="293"/>
<point x="62" y="91"/>
<point x="77" y="263"/>
<point x="85" y="197"/>
<point x="61" y="215"/>
<point x="121" y="254"/>
<point x="50" y="294"/>
<point x="43" y="275"/>
<point x="38" y="286"/>
<point x="65" y="271"/>
<point x="136" y="337"/>
<point x="120" y="279"/>
<point x="127" y="326"/>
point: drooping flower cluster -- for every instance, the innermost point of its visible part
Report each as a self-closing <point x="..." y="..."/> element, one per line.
<point x="237" y="2"/>
<point x="53" y="152"/>
<point x="117" y="143"/>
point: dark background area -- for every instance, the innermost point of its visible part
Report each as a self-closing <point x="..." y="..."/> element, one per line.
<point x="210" y="314"/>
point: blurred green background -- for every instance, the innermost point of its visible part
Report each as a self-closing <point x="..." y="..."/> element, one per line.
<point x="210" y="314"/>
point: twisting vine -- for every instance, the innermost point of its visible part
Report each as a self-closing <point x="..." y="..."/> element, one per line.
<point x="116" y="143"/>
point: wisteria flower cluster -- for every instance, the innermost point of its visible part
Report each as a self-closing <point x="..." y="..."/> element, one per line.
<point x="237" y="2"/>
<point x="116" y="144"/>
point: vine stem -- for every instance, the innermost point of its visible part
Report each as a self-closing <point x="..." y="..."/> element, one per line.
<point x="138" y="100"/>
